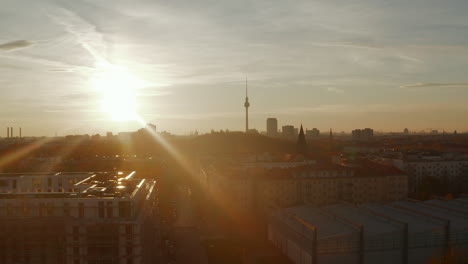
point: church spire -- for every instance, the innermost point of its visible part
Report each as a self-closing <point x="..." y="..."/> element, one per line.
<point x="301" y="146"/>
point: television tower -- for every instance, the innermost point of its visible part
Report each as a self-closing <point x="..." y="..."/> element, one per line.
<point x="246" y="105"/>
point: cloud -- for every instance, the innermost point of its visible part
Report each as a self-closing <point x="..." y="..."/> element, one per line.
<point x="335" y="90"/>
<point x="59" y="65"/>
<point x="17" y="44"/>
<point x="372" y="108"/>
<point x="86" y="34"/>
<point x="422" y="85"/>
<point x="77" y="96"/>
<point x="349" y="44"/>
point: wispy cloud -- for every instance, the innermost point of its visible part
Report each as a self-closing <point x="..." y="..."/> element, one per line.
<point x="335" y="90"/>
<point x="348" y="44"/>
<point x="85" y="33"/>
<point x="422" y="85"/>
<point x="17" y="44"/>
<point x="371" y="108"/>
<point x="58" y="66"/>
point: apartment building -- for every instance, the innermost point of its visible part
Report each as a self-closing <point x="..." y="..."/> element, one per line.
<point x="105" y="218"/>
<point x="259" y="188"/>
<point x="449" y="168"/>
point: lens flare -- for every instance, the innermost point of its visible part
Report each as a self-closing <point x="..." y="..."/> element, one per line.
<point x="117" y="88"/>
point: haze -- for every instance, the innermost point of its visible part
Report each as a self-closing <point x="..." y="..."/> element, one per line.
<point x="327" y="64"/>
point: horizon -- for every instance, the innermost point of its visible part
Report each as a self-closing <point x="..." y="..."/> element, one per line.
<point x="86" y="67"/>
<point x="323" y="133"/>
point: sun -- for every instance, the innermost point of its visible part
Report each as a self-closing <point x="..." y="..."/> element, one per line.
<point x="117" y="88"/>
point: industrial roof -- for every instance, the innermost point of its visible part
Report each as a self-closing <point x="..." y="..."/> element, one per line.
<point x="373" y="223"/>
<point x="327" y="225"/>
<point x="345" y="219"/>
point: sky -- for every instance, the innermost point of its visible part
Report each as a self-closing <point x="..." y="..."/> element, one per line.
<point x="75" y="67"/>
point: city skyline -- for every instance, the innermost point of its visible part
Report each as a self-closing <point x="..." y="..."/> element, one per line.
<point x="182" y="66"/>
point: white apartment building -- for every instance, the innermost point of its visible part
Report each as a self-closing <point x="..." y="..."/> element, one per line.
<point x="449" y="168"/>
<point x="41" y="182"/>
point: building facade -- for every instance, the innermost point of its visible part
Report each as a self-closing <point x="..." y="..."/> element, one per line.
<point x="105" y="218"/>
<point x="259" y="188"/>
<point x="288" y="131"/>
<point x="365" y="134"/>
<point x="272" y="126"/>
<point x="313" y="133"/>
<point x="449" y="169"/>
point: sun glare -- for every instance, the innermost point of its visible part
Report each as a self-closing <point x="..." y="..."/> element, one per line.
<point x="117" y="88"/>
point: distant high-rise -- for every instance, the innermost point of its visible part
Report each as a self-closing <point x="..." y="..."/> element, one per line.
<point x="288" y="131"/>
<point x="365" y="134"/>
<point x="301" y="145"/>
<point x="272" y="126"/>
<point x="313" y="133"/>
<point x="246" y="105"/>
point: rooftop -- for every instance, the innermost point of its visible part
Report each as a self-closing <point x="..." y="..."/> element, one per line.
<point x="47" y="174"/>
<point x="96" y="185"/>
<point x="376" y="219"/>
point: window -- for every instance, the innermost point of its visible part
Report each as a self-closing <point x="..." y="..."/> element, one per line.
<point x="42" y="209"/>
<point x="25" y="210"/>
<point x="129" y="251"/>
<point x="66" y="209"/>
<point x="101" y="209"/>
<point x="81" y="210"/>
<point x="308" y="188"/>
<point x="109" y="210"/>
<point x="128" y="230"/>
<point x="50" y="209"/>
<point x="49" y="182"/>
<point x="3" y="183"/>
<point x="37" y="183"/>
<point x="76" y="233"/>
<point x="124" y="209"/>
<point x="9" y="210"/>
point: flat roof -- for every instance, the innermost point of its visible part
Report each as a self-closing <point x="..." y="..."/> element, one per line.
<point x="47" y="174"/>
<point x="327" y="225"/>
<point x="372" y="223"/>
<point x="450" y="204"/>
<point x="457" y="220"/>
<point x="416" y="222"/>
<point x="95" y="185"/>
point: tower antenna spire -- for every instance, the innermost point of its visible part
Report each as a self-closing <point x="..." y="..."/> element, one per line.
<point x="246" y="105"/>
<point x="246" y="87"/>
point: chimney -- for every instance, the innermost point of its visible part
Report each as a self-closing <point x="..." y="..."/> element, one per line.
<point x="20" y="132"/>
<point x="8" y="132"/>
<point x="11" y="131"/>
